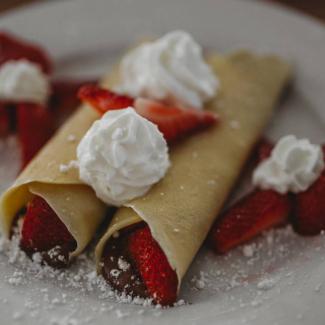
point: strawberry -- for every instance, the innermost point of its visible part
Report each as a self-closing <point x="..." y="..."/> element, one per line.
<point x="256" y="212"/>
<point x="151" y="262"/>
<point x="173" y="122"/>
<point x="309" y="216"/>
<point x="35" y="127"/>
<point x="4" y="120"/>
<point x="12" y="48"/>
<point x="103" y="100"/>
<point x="42" y="230"/>
<point x="264" y="149"/>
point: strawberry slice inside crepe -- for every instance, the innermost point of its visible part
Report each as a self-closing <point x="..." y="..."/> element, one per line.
<point x="43" y="232"/>
<point x="135" y="264"/>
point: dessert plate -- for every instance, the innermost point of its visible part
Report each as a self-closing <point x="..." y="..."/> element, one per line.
<point x="277" y="279"/>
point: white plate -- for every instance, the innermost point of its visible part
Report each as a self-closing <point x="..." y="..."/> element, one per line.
<point x="84" y="37"/>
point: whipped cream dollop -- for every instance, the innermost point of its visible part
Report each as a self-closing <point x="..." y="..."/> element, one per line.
<point x="23" y="80"/>
<point x="171" y="69"/>
<point x="293" y="166"/>
<point x="121" y="156"/>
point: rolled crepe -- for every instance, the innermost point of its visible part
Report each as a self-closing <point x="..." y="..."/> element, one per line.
<point x="74" y="203"/>
<point x="181" y="208"/>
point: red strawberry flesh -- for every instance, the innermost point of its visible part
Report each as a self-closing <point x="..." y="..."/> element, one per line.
<point x="103" y="100"/>
<point x="149" y="274"/>
<point x="253" y="214"/>
<point x="173" y="122"/>
<point x="152" y="264"/>
<point x="264" y="149"/>
<point x="35" y="127"/>
<point x="13" y="48"/>
<point x="309" y="208"/>
<point x="43" y="231"/>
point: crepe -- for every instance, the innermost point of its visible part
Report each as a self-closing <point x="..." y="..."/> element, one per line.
<point x="181" y="208"/>
<point x="74" y="203"/>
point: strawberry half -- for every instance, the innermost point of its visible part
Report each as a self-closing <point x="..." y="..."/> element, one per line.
<point x="35" y="127"/>
<point x="13" y="48"/>
<point x="42" y="230"/>
<point x="151" y="262"/>
<point x="253" y="214"/>
<point x="309" y="216"/>
<point x="103" y="100"/>
<point x="173" y="122"/>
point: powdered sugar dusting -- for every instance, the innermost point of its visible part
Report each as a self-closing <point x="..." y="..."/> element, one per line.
<point x="75" y="286"/>
<point x="258" y="273"/>
<point x="250" y="277"/>
<point x="64" y="168"/>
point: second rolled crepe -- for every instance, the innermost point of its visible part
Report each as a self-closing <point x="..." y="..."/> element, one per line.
<point x="181" y="208"/>
<point x="49" y="177"/>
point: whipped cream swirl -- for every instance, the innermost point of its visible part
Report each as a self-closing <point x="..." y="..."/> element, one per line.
<point x="171" y="69"/>
<point x="121" y="156"/>
<point x="293" y="166"/>
<point x="22" y="80"/>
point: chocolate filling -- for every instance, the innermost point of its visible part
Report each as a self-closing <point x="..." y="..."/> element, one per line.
<point x="118" y="268"/>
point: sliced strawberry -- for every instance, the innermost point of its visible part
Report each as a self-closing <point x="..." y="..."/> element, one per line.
<point x="173" y="122"/>
<point x="151" y="262"/>
<point x="264" y="149"/>
<point x="309" y="216"/>
<point x="13" y="48"/>
<point x="253" y="214"/>
<point x="4" y="120"/>
<point x="43" y="231"/>
<point x="35" y="127"/>
<point x="103" y="100"/>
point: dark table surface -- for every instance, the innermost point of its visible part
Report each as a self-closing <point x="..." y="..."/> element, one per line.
<point x="315" y="8"/>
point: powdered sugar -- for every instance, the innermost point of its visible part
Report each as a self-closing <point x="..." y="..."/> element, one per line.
<point x="251" y="276"/>
<point x="122" y="264"/>
<point x="259" y="274"/>
<point x="64" y="168"/>
<point x="248" y="250"/>
<point x="71" y="138"/>
<point x="266" y="284"/>
<point x="81" y="281"/>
